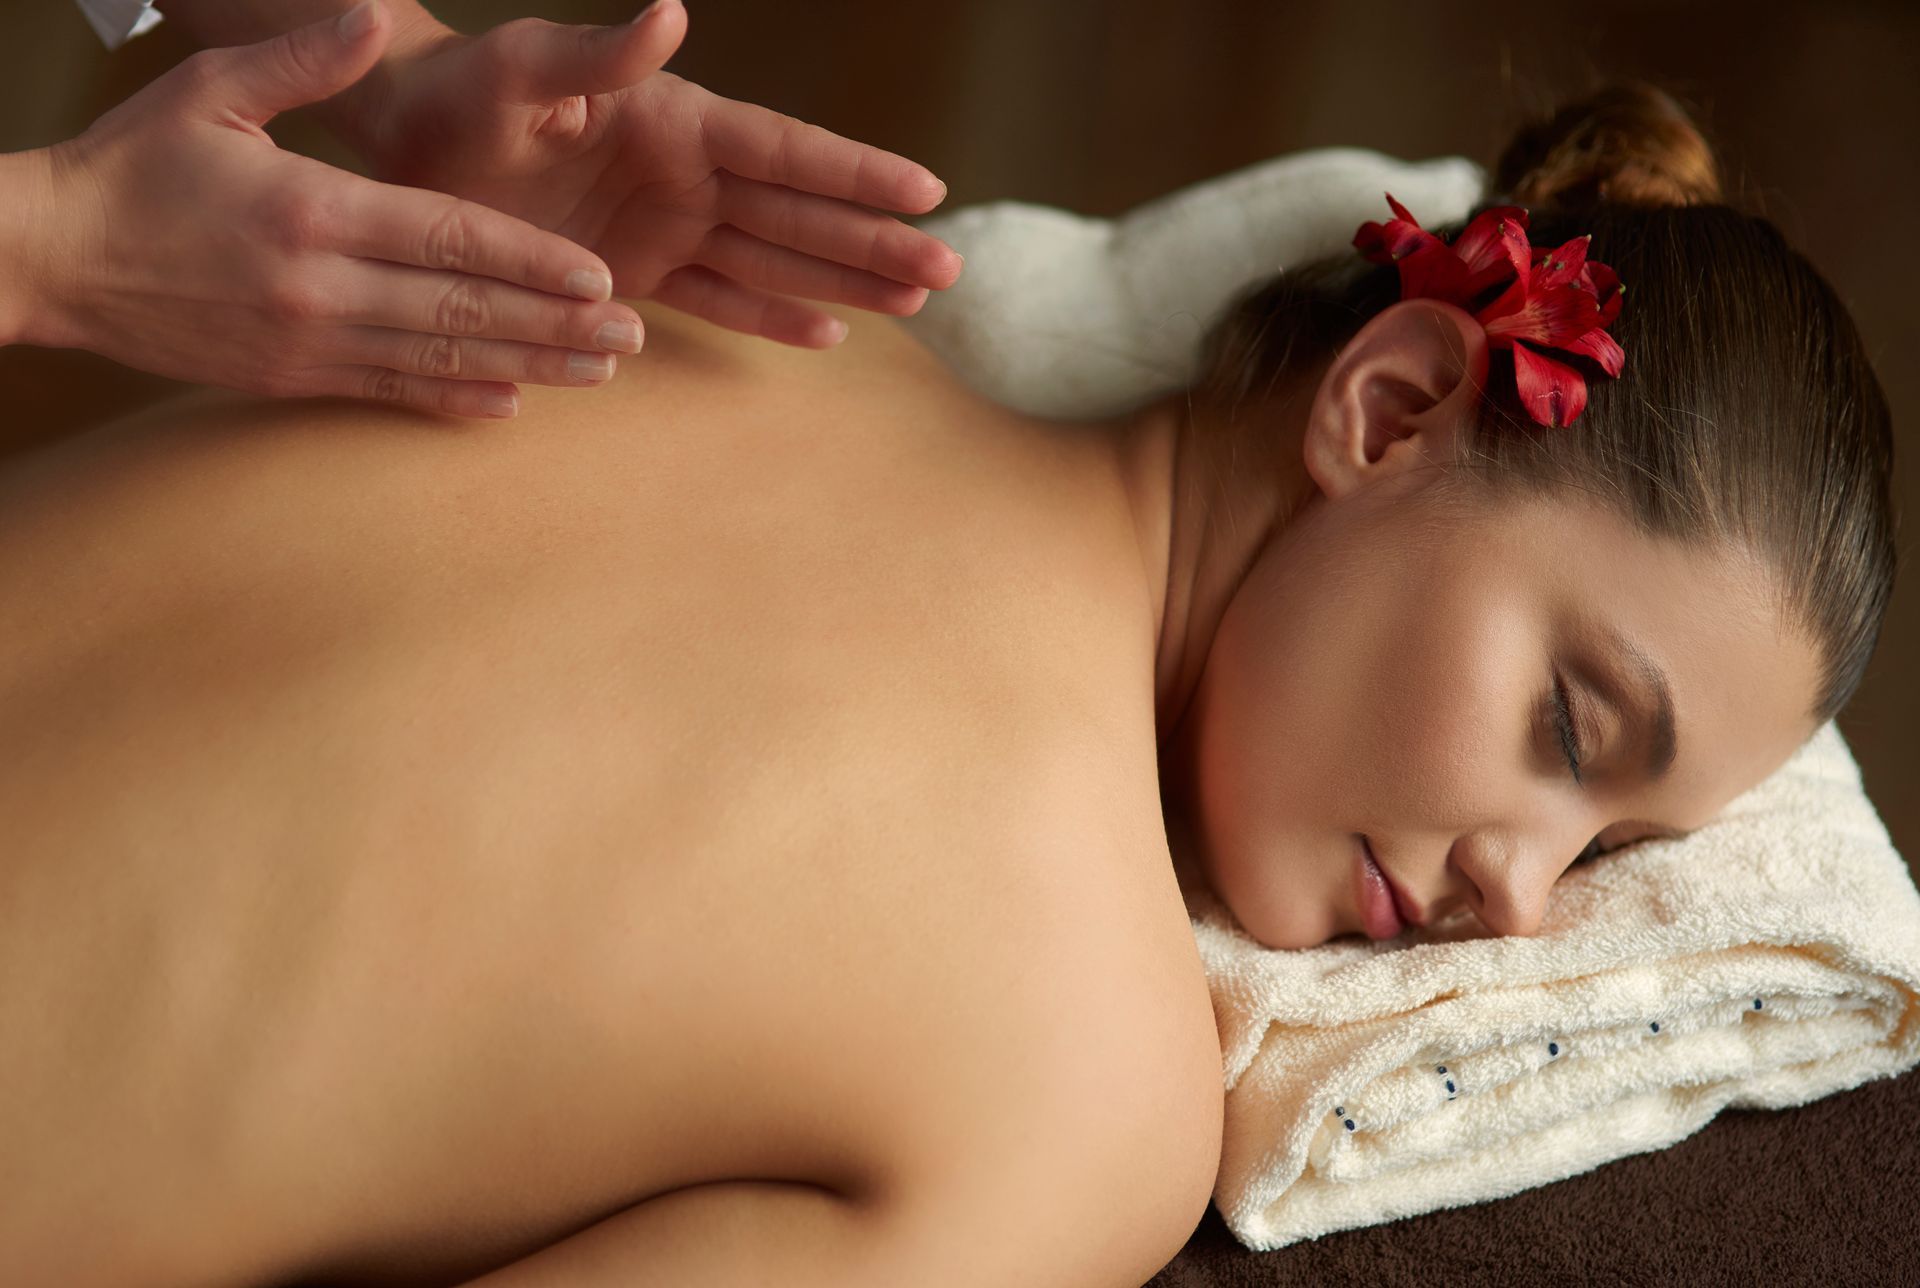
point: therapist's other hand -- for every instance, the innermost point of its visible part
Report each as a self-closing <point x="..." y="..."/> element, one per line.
<point x="722" y="209"/>
<point x="185" y="243"/>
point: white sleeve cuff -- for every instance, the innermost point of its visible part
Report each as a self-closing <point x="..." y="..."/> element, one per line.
<point x="118" y="21"/>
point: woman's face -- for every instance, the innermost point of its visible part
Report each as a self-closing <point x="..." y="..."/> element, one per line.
<point x="1393" y="669"/>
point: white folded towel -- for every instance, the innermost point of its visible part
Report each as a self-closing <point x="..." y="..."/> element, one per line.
<point x="1764" y="960"/>
<point x="1767" y="959"/>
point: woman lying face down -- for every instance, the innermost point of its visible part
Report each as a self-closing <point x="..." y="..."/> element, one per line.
<point x="1419" y="652"/>
<point x="715" y="821"/>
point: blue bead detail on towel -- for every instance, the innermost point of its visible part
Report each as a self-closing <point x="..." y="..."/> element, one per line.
<point x="1349" y="1124"/>
<point x="1553" y="1048"/>
<point x="1449" y="1084"/>
<point x="1656" y="1026"/>
<point x="1756" y="1003"/>
<point x="1339" y="1112"/>
<point x="1439" y="1068"/>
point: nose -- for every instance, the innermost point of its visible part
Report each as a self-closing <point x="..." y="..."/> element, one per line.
<point x="1509" y="878"/>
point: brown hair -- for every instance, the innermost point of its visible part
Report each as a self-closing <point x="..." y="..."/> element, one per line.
<point x="1747" y="410"/>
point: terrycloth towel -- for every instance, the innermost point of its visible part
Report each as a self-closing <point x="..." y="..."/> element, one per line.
<point x="1767" y="959"/>
<point x="1059" y="314"/>
<point x="1764" y="960"/>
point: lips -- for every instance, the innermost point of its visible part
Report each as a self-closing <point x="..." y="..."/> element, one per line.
<point x="1410" y="912"/>
<point x="1379" y="910"/>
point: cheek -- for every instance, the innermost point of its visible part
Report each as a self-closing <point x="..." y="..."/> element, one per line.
<point x="1381" y="703"/>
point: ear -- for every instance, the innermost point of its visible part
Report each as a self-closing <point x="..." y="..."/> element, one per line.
<point x="1396" y="397"/>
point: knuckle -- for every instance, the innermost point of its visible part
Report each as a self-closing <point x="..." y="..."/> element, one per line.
<point x="384" y="385"/>
<point x="449" y="240"/>
<point x="301" y="220"/>
<point x="509" y="43"/>
<point x="516" y="29"/>
<point x="462" y="309"/>
<point x="299" y="59"/>
<point x="200" y="72"/>
<point x="273" y="384"/>
<point x="292" y="299"/>
<point x="440" y="356"/>
<point x="786" y="145"/>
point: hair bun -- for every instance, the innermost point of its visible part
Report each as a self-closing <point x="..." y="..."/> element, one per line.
<point x="1629" y="143"/>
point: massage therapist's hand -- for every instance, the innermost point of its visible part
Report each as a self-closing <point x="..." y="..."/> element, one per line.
<point x="722" y="209"/>
<point x="184" y="242"/>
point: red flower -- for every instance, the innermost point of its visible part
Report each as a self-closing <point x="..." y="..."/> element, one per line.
<point x="1554" y="300"/>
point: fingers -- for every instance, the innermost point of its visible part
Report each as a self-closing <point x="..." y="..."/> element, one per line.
<point x="706" y="294"/>
<point x="427" y="229"/>
<point x="758" y="143"/>
<point x="382" y="384"/>
<point x="542" y="61"/>
<point x="257" y="82"/>
<point x="462" y="306"/>
<point x="749" y="261"/>
<point x="447" y="358"/>
<point x="835" y="231"/>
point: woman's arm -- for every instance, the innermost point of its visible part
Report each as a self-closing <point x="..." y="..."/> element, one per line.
<point x="25" y="194"/>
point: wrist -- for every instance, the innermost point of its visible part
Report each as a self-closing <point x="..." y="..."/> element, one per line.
<point x="28" y="293"/>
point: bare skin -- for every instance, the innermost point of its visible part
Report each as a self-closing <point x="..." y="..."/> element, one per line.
<point x="482" y="818"/>
<point x="1357" y="642"/>
<point x="432" y="843"/>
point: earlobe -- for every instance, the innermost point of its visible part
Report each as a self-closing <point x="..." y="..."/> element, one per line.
<point x="1396" y="396"/>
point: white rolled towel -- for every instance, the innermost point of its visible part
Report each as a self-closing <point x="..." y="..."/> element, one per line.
<point x="1061" y="314"/>
<point x="1767" y="959"/>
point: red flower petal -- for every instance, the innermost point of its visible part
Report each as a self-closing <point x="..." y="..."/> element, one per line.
<point x="1548" y="318"/>
<point x="1602" y="348"/>
<point x="1511" y="301"/>
<point x="1552" y="392"/>
<point x="1606" y="288"/>
<point x="1564" y="265"/>
<point x="1384" y="243"/>
<point x="1435" y="272"/>
<point x="1484" y="242"/>
<point x="1513" y="243"/>
<point x="1395" y="239"/>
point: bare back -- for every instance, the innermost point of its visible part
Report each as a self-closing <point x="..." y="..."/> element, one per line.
<point x="424" y="837"/>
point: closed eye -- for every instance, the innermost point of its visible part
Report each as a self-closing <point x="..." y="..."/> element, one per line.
<point x="1564" y="727"/>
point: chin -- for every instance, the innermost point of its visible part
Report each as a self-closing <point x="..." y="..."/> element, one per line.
<point x="1283" y="931"/>
<point x="1293" y="940"/>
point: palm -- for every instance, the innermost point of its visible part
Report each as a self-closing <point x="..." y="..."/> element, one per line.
<point x="720" y="208"/>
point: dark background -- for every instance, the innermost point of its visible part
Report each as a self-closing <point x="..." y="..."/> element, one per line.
<point x="1098" y="105"/>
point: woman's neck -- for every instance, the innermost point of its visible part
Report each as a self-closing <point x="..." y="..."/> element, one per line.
<point x="1206" y="498"/>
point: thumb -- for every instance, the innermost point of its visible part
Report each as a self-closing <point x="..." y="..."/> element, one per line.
<point x="553" y="61"/>
<point x="305" y="65"/>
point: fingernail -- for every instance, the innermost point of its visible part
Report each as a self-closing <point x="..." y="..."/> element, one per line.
<point x="355" y="22"/>
<point x="590" y="285"/>
<point x="644" y="12"/>
<point x="836" y="331"/>
<point x="623" y="337"/>
<point x="502" y="405"/>
<point x="593" y="367"/>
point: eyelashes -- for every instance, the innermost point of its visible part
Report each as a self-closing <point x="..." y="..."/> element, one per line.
<point x="1563" y="726"/>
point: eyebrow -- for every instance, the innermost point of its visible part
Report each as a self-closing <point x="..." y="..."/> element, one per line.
<point x="1664" y="745"/>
